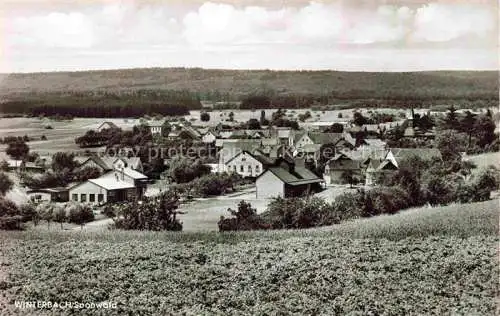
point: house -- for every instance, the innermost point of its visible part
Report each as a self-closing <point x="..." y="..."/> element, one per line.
<point x="317" y="138"/>
<point x="248" y="165"/>
<point x="285" y="135"/>
<point x="340" y="167"/>
<point x="156" y="127"/>
<point x="114" y="186"/>
<point x="232" y="147"/>
<point x="24" y="166"/>
<point x="398" y="155"/>
<point x="377" y="169"/>
<point x="209" y="137"/>
<point x="105" y="164"/>
<point x="285" y="179"/>
<point x="58" y="194"/>
<point x="107" y="125"/>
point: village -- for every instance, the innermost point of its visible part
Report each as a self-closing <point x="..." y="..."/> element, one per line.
<point x="280" y="156"/>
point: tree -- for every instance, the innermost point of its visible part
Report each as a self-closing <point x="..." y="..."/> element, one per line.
<point x="80" y="214"/>
<point x="245" y="218"/>
<point x="359" y="119"/>
<point x="17" y="149"/>
<point x="87" y="173"/>
<point x="158" y="213"/>
<point x="484" y="130"/>
<point x="204" y="117"/>
<point x="451" y="144"/>
<point x="59" y="215"/>
<point x="253" y="124"/>
<point x="451" y="119"/>
<point x="335" y="128"/>
<point x="4" y="165"/>
<point x="63" y="162"/>
<point x="231" y="117"/>
<point x="467" y="125"/>
<point x="6" y="184"/>
<point x="10" y="215"/>
<point x="348" y="177"/>
<point x="46" y="211"/>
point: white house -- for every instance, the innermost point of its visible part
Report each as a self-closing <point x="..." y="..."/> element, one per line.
<point x="248" y="165"/>
<point x="107" y="125"/>
<point x="114" y="186"/>
<point x="209" y="137"/>
<point x="310" y="138"/>
<point x="155" y="127"/>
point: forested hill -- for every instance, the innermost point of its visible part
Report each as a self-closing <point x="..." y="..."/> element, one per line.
<point x="162" y="88"/>
<point x="240" y="82"/>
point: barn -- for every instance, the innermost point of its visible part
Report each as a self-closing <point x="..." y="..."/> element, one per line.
<point x="287" y="180"/>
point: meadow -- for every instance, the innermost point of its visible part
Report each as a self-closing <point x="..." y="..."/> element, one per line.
<point x="421" y="261"/>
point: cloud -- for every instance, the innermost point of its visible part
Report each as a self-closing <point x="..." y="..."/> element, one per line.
<point x="249" y="30"/>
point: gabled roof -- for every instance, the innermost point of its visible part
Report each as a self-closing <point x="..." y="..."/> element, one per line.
<point x="325" y="138"/>
<point x="98" y="161"/>
<point x="386" y="165"/>
<point x="111" y="183"/>
<point x="136" y="175"/>
<point x="111" y="125"/>
<point x="298" y="176"/>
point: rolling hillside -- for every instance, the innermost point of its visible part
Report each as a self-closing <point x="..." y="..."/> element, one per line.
<point x="436" y="261"/>
<point x="452" y="84"/>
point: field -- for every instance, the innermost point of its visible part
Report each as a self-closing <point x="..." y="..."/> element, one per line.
<point x="60" y="138"/>
<point x="423" y="261"/>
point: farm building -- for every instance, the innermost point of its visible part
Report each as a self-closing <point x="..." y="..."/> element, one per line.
<point x="115" y="186"/>
<point x="287" y="180"/>
<point x="59" y="194"/>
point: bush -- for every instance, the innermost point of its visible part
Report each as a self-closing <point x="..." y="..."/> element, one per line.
<point x="10" y="215"/>
<point x="80" y="214"/>
<point x="6" y="183"/>
<point x="245" y="218"/>
<point x="385" y="200"/>
<point x="29" y="213"/>
<point x="158" y="213"/>
<point x="300" y="213"/>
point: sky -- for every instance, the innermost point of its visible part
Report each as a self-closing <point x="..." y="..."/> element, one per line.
<point x="350" y="35"/>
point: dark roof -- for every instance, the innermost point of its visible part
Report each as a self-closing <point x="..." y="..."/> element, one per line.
<point x="266" y="161"/>
<point x="111" y="124"/>
<point x="325" y="138"/>
<point x="297" y="176"/>
<point x="101" y="163"/>
<point x="343" y="162"/>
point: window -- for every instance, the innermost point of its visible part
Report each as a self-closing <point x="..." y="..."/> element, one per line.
<point x="91" y="197"/>
<point x="242" y="169"/>
<point x="100" y="197"/>
<point x="83" y="197"/>
<point x="75" y="197"/>
<point x="257" y="169"/>
<point x="250" y="169"/>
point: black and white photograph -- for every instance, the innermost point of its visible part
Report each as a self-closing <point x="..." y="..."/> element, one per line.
<point x="249" y="157"/>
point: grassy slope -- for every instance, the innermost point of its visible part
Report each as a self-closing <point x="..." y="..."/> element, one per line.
<point x="427" y="261"/>
<point x="243" y="82"/>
